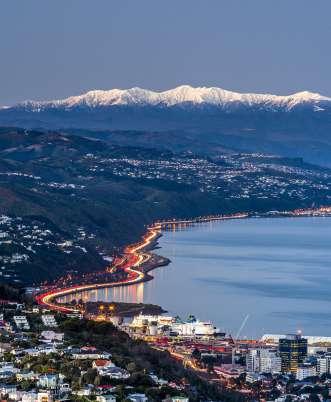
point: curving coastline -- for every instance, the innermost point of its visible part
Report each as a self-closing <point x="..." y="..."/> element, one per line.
<point x="136" y="261"/>
<point x="130" y="262"/>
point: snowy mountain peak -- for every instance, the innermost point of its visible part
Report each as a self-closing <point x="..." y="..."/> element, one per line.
<point x="184" y="94"/>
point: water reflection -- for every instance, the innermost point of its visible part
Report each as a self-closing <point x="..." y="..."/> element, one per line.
<point x="276" y="270"/>
<point x="124" y="294"/>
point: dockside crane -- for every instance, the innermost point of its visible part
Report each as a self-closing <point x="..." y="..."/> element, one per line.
<point x="235" y="340"/>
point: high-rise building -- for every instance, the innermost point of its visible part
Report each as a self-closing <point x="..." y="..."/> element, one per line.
<point x="270" y="362"/>
<point x="292" y="350"/>
<point x="253" y="360"/>
<point x="324" y="364"/>
<point x="263" y="361"/>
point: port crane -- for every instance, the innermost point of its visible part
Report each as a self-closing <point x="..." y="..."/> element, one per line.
<point x="234" y="340"/>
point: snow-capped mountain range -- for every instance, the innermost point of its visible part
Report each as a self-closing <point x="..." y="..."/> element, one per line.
<point x="182" y="95"/>
<point x="206" y="120"/>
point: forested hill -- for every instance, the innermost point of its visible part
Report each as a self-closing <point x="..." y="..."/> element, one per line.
<point x="67" y="201"/>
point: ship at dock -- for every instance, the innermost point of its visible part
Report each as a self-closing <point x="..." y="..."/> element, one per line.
<point x="173" y="326"/>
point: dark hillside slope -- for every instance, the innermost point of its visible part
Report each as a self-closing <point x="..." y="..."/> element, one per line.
<point x="65" y="201"/>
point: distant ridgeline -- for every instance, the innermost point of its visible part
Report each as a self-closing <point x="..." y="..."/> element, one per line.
<point x="190" y="119"/>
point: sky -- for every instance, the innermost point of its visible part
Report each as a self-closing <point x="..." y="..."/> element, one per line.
<point x="54" y="49"/>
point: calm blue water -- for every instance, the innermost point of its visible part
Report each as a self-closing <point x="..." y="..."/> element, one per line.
<point x="276" y="270"/>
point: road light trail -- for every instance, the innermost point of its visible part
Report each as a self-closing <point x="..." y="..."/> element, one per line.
<point x="130" y="263"/>
<point x="133" y="257"/>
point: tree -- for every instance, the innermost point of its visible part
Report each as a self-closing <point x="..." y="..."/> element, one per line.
<point x="97" y="380"/>
<point x="89" y="376"/>
<point x="325" y="394"/>
<point x="196" y="354"/>
<point x="27" y="385"/>
<point x="131" y="367"/>
<point x="120" y="392"/>
<point x="314" y="398"/>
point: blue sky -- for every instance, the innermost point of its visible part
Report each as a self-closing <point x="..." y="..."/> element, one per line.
<point x="53" y="49"/>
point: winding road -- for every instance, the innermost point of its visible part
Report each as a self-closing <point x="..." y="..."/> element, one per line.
<point x="132" y="259"/>
<point x="130" y="262"/>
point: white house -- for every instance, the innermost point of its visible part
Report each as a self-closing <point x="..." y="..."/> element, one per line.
<point x="106" y="398"/>
<point x="137" y="398"/>
<point x="48" y="381"/>
<point x="49" y="320"/>
<point x="6" y="389"/>
<point x="21" y="322"/>
<point x="30" y="396"/>
<point x="27" y="375"/>
<point x="90" y="355"/>
<point x="114" y="373"/>
<point x="102" y="364"/>
<point x="7" y="367"/>
<point x="52" y="336"/>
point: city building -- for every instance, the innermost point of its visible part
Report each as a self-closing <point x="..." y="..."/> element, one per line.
<point x="324" y="364"/>
<point x="270" y="362"/>
<point x="21" y="322"/>
<point x="253" y="361"/>
<point x="305" y="371"/>
<point x="49" y="320"/>
<point x="263" y="361"/>
<point x="292" y="350"/>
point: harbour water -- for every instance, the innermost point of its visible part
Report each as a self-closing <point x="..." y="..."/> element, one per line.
<point x="277" y="270"/>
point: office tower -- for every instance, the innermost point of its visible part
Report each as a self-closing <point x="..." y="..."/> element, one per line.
<point x="292" y="350"/>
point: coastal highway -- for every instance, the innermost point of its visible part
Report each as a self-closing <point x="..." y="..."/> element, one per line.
<point x="130" y="262"/>
<point x="202" y="219"/>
